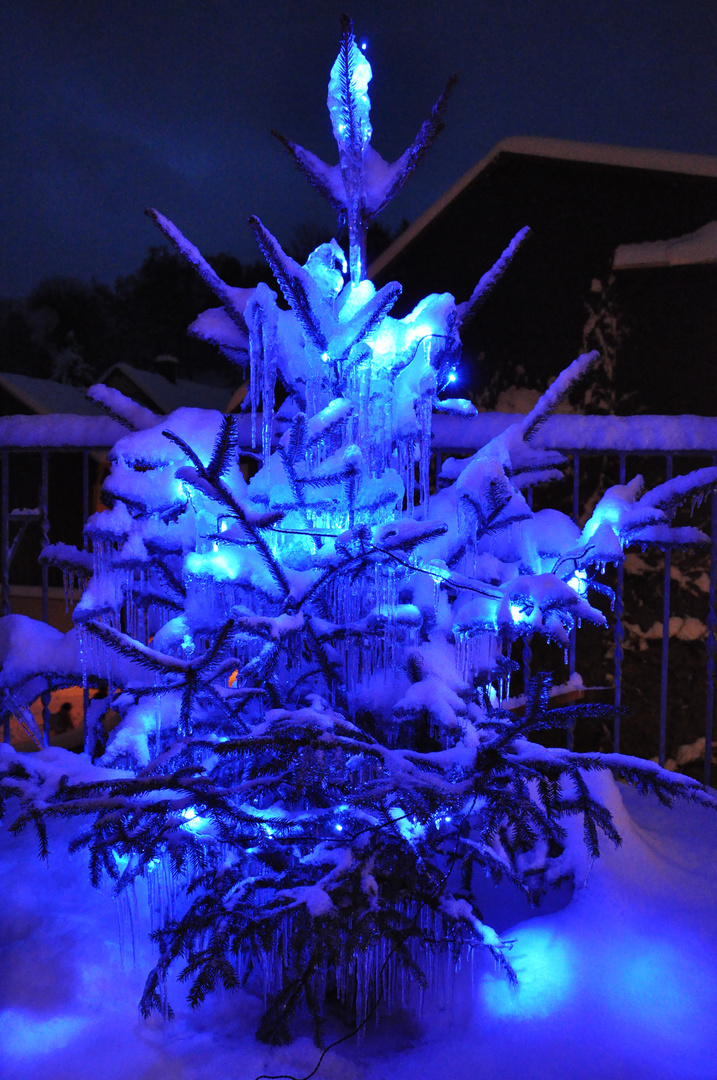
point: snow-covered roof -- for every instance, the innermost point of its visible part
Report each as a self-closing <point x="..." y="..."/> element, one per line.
<point x="44" y="396"/>
<point x="628" y="157"/>
<point x="695" y="247"/>
<point x="168" y="396"/>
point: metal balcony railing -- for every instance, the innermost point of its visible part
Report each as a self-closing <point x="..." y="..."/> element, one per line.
<point x="600" y="450"/>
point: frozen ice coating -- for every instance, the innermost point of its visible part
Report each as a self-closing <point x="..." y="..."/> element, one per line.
<point x="348" y="101"/>
<point x="323" y="754"/>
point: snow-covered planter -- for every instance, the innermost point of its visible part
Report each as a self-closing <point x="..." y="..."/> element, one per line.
<point x="310" y="666"/>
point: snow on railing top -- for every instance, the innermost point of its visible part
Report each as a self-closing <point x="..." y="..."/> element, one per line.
<point x="59" y="431"/>
<point x="629" y="434"/>
<point x="617" y="434"/>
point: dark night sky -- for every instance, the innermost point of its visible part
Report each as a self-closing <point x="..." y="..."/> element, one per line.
<point x="107" y="107"/>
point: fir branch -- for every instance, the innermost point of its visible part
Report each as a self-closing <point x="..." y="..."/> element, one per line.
<point x="187" y="250"/>
<point x="68" y="558"/>
<point x="367" y="319"/>
<point x="555" y="393"/>
<point x="313" y="169"/>
<point x="296" y="285"/>
<point x="353" y="142"/>
<point x="225" y="448"/>
<point x="469" y="308"/>
<point x="223" y="494"/>
<point x="121" y="408"/>
<point x="429" y="131"/>
<point x="134" y="650"/>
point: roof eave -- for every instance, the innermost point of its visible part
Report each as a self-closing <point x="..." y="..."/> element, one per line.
<point x="565" y="150"/>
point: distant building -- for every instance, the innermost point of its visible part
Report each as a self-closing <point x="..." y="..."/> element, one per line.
<point x="582" y="201"/>
<point x="669" y="289"/>
<point x="21" y="395"/>
<point x="161" y="394"/>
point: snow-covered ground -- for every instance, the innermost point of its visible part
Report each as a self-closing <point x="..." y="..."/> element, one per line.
<point x="620" y="983"/>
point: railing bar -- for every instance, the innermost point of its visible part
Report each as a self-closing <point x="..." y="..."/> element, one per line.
<point x="44" y="529"/>
<point x="619" y="635"/>
<point x="711" y="639"/>
<point x="5" y="600"/>
<point x="90" y="741"/>
<point x="665" y="635"/>
<point x="85" y="488"/>
<point x="89" y="735"/>
<point x="572" y="655"/>
<point x="5" y="555"/>
<point x="45" y="698"/>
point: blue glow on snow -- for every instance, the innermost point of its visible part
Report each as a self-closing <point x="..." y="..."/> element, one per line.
<point x="416" y="333"/>
<point x="354" y="298"/>
<point x="192" y="820"/>
<point x="411" y="830"/>
<point x="384" y="343"/>
<point x="579" y="582"/>
<point x="658" y="984"/>
<point x="120" y="860"/>
<point x="27" y="1035"/>
<point x="545" y="968"/>
<point x="516" y="613"/>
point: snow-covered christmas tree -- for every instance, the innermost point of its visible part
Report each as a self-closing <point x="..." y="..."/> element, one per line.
<point x="315" y="761"/>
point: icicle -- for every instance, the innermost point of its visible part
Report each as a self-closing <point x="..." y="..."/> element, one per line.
<point x="157" y="718"/>
<point x="424" y="409"/>
<point x="461" y="639"/>
<point x="267" y="390"/>
<point x="386" y="433"/>
<point x="364" y="387"/>
<point x="128" y="921"/>
<point x="255" y="320"/>
<point x="82" y="646"/>
<point x="68" y="579"/>
<point x="411" y="476"/>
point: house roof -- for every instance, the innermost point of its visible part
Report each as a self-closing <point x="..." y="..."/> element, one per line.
<point x="559" y="149"/>
<point x="166" y="396"/>
<point x="695" y="247"/>
<point x="44" y="396"/>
